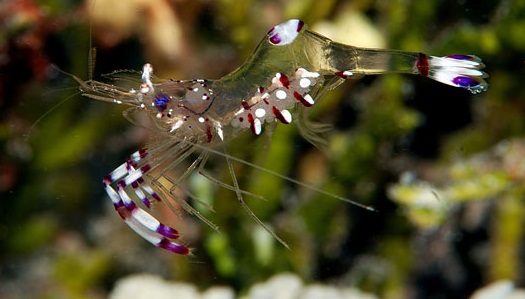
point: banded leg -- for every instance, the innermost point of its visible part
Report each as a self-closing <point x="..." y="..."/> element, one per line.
<point x="117" y="185"/>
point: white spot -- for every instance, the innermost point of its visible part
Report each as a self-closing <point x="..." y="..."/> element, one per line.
<point x="136" y="156"/>
<point x="280" y="94"/>
<point x="257" y="126"/>
<point x="147" y="71"/>
<point x="286" y="115"/>
<point x="239" y="111"/>
<point x="142" y="106"/>
<point x="117" y="101"/>
<point x="348" y="73"/>
<point x="176" y="125"/>
<point x="219" y="130"/>
<point x="306" y="74"/>
<point x="309" y="99"/>
<point x="304" y="82"/>
<point x="201" y="119"/>
<point x="195" y="89"/>
<point x="265" y="96"/>
<point x="260" y="113"/>
<point x="204" y="97"/>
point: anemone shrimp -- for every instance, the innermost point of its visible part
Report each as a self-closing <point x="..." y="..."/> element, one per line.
<point x="290" y="70"/>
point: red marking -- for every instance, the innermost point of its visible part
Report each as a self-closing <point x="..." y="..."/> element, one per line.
<point x="341" y="74"/>
<point x="279" y="115"/>
<point x="266" y="102"/>
<point x="300" y="98"/>
<point x="146" y="202"/>
<point x="130" y="164"/>
<point x="107" y="180"/>
<point x="284" y="80"/>
<point x="145" y="168"/>
<point x="251" y="120"/>
<point x="123" y="212"/>
<point x="208" y="134"/>
<point x="173" y="247"/>
<point x="143" y="153"/>
<point x="241" y="119"/>
<point x="245" y="105"/>
<point x="422" y="64"/>
<point x="260" y="89"/>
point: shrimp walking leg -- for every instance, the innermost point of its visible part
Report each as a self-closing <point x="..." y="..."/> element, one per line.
<point x="137" y="218"/>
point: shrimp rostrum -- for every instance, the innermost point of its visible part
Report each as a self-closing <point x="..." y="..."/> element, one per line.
<point x="291" y="68"/>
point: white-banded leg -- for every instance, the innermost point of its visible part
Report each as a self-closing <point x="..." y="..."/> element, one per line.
<point x="119" y="183"/>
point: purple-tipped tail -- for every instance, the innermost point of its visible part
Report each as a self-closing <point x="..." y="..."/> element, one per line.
<point x="463" y="71"/>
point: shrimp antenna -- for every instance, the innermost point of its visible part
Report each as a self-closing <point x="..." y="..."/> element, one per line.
<point x="34" y="125"/>
<point x="91" y="68"/>
<point x="92" y="56"/>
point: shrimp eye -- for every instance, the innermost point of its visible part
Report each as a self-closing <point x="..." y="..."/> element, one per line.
<point x="161" y="102"/>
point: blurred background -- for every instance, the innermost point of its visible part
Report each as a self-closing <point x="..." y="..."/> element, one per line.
<point x="443" y="168"/>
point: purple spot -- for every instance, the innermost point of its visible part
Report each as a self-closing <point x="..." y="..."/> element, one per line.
<point x="130" y="206"/>
<point x="275" y="39"/>
<point x="155" y="196"/>
<point x="118" y="204"/>
<point x="459" y="57"/>
<point x="167" y="231"/>
<point x="465" y="82"/>
<point x="161" y="102"/>
<point x="173" y="247"/>
<point x="134" y="184"/>
<point x="300" y="25"/>
<point x="146" y="202"/>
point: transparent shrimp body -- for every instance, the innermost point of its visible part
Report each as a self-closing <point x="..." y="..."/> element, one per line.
<point x="291" y="66"/>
